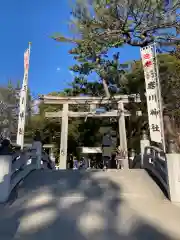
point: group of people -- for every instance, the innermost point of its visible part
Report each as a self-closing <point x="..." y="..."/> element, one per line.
<point x="119" y="156"/>
<point x="112" y="157"/>
<point x="108" y="153"/>
<point x="74" y="163"/>
<point x="107" y="158"/>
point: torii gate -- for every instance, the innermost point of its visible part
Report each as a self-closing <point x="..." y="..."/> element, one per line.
<point x="121" y="113"/>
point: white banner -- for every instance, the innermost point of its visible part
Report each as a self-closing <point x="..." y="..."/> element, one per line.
<point x="26" y="60"/>
<point x="23" y="101"/>
<point x="153" y="101"/>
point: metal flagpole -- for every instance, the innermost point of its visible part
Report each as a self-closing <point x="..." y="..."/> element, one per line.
<point x="160" y="99"/>
<point x="23" y="100"/>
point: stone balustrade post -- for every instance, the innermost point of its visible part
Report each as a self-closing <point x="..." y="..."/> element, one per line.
<point x="37" y="150"/>
<point x="173" y="172"/>
<point x="144" y="142"/>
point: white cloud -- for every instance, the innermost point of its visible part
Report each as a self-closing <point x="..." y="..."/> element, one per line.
<point x="58" y="69"/>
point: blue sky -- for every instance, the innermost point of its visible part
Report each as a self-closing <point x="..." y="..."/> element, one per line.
<point x="23" y="21"/>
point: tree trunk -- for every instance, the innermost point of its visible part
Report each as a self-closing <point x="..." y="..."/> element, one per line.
<point x="106" y="88"/>
<point x="171" y="132"/>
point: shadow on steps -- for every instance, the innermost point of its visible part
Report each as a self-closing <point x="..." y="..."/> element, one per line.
<point x="73" y="205"/>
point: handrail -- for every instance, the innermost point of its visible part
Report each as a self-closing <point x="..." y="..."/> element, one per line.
<point x="20" y="167"/>
<point x="19" y="160"/>
<point x="17" y="165"/>
<point x="154" y="160"/>
<point x="156" y="150"/>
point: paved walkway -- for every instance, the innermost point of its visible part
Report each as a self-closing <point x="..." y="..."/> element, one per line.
<point x="89" y="205"/>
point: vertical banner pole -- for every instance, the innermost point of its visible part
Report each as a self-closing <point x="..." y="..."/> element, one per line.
<point x="160" y="99"/>
<point x="23" y="100"/>
<point x="153" y="94"/>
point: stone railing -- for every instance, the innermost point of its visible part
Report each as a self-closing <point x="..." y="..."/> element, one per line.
<point x="16" y="165"/>
<point x="164" y="166"/>
<point x="154" y="160"/>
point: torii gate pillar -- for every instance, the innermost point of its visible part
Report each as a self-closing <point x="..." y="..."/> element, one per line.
<point x="64" y="137"/>
<point x="122" y="133"/>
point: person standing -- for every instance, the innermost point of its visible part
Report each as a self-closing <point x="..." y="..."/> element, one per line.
<point x="70" y="161"/>
<point x="86" y="163"/>
<point x="75" y="163"/>
<point x="120" y="157"/>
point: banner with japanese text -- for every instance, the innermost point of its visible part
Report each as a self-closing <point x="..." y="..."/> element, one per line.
<point x="23" y="100"/>
<point x="153" y="101"/>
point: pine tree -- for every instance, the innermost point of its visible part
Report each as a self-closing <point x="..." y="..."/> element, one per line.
<point x="110" y="72"/>
<point x="102" y="24"/>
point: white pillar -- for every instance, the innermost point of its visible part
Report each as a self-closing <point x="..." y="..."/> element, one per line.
<point x="64" y="137"/>
<point x="122" y="133"/>
<point x="5" y="177"/>
<point x="173" y="169"/>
